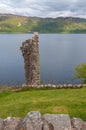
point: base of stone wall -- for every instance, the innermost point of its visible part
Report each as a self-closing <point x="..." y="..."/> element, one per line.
<point x="53" y="86"/>
<point x="35" y="121"/>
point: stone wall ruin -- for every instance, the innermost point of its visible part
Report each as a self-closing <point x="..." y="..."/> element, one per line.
<point x="30" y="52"/>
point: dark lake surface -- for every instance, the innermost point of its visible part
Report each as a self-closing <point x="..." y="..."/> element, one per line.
<point x="59" y="54"/>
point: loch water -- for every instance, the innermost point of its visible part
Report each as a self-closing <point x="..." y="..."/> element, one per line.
<point x="59" y="54"/>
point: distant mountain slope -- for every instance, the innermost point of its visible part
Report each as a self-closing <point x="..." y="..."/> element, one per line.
<point x="20" y="24"/>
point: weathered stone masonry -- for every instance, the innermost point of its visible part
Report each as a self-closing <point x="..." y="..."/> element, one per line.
<point x="35" y="121"/>
<point x="30" y="52"/>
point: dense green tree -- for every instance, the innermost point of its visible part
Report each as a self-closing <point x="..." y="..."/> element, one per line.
<point x="81" y="72"/>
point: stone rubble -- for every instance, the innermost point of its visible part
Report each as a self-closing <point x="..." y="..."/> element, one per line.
<point x="53" y="86"/>
<point x="35" y="121"/>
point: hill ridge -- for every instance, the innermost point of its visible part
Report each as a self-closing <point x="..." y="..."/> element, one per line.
<point x="11" y="23"/>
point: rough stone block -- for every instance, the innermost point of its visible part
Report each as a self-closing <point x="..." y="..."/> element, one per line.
<point x="1" y="124"/>
<point x="13" y="123"/>
<point x="84" y="126"/>
<point x="58" y="121"/>
<point x="33" y="121"/>
<point x="78" y="124"/>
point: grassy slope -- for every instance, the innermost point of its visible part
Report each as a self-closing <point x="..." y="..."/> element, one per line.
<point x="18" y="24"/>
<point x="71" y="101"/>
<point x="10" y="24"/>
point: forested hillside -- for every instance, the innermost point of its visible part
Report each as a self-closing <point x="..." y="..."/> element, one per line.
<point x="21" y="24"/>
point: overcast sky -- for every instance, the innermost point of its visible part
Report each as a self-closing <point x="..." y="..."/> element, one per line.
<point x="44" y="8"/>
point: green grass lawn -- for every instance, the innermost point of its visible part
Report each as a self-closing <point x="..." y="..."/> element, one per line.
<point x="71" y="101"/>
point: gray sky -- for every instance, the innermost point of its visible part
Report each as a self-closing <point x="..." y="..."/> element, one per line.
<point x="44" y="8"/>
